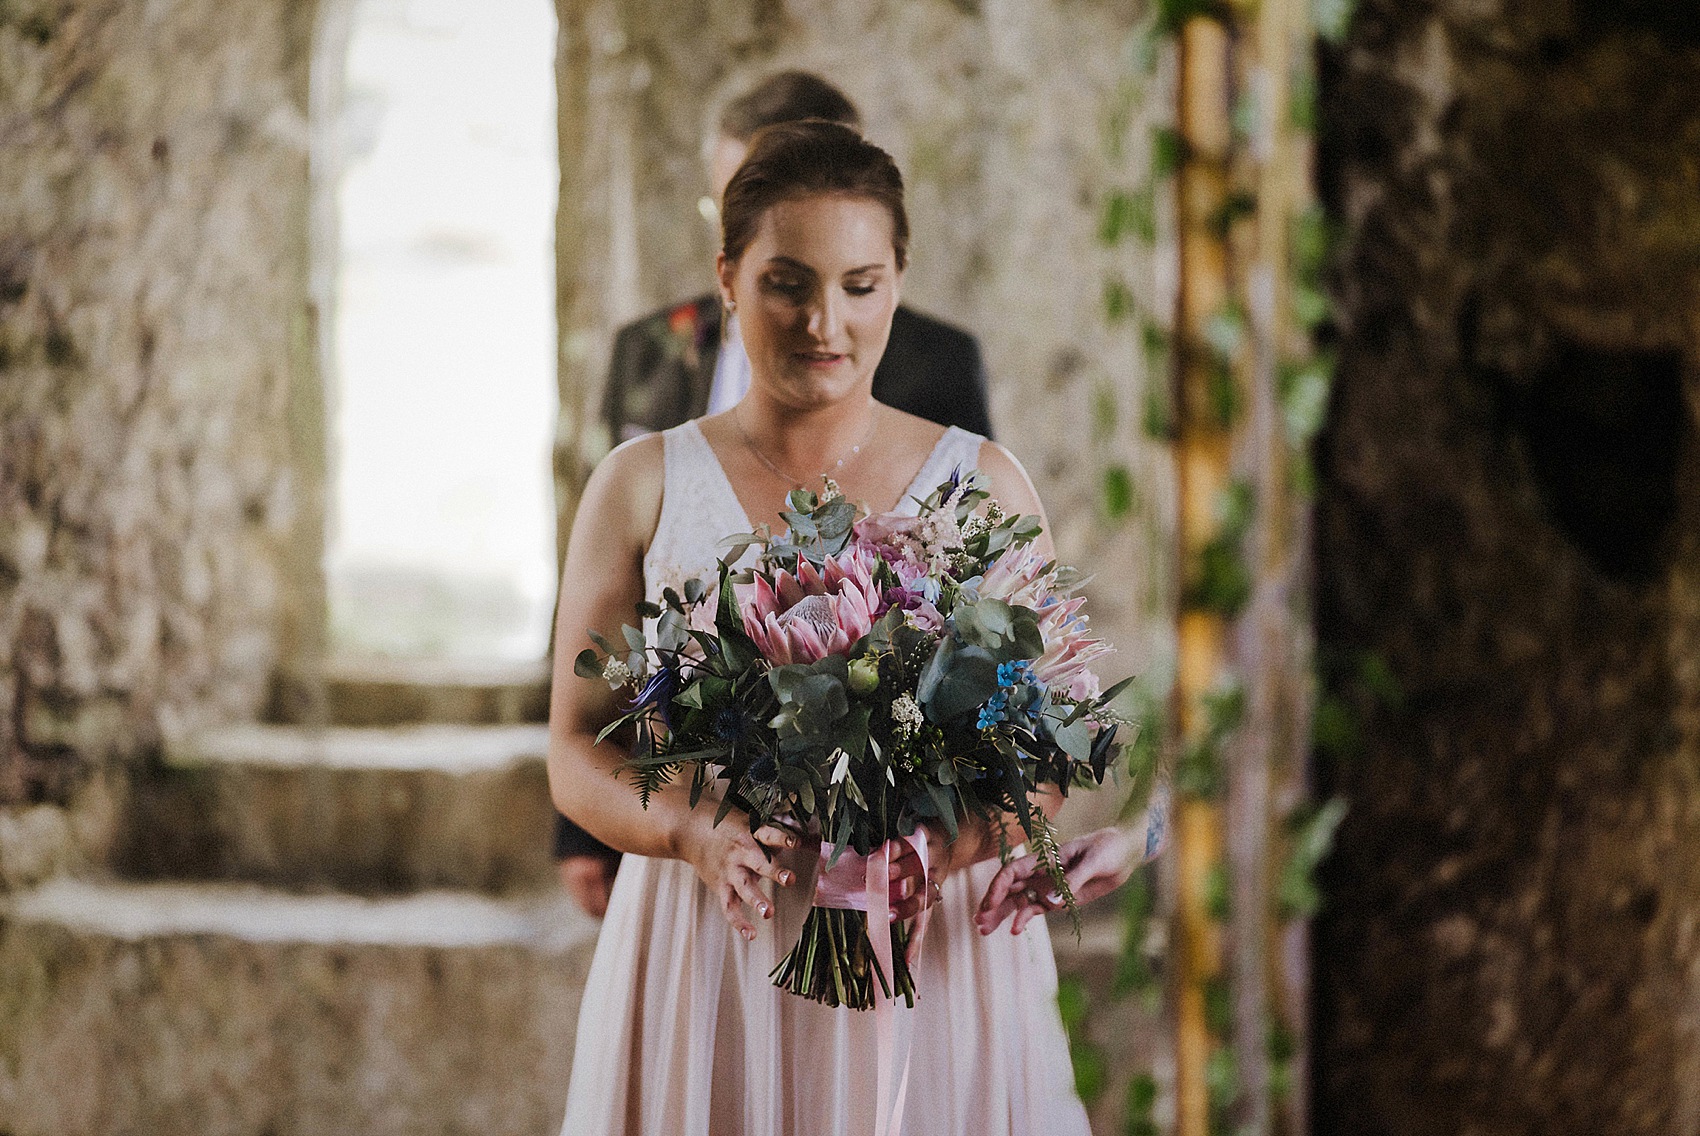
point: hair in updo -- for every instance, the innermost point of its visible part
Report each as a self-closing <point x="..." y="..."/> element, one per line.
<point x="802" y="159"/>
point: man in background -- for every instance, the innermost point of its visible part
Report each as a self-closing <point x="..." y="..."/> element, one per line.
<point x="679" y="363"/>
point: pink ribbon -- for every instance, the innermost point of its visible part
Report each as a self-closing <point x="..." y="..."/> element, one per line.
<point x="835" y="886"/>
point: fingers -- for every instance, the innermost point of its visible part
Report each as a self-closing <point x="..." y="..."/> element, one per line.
<point x="732" y="906"/>
<point x="776" y="837"/>
<point x="1011" y="877"/>
<point x="740" y="895"/>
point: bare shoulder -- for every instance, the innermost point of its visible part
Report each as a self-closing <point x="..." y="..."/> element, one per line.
<point x="624" y="490"/>
<point x="1010" y="483"/>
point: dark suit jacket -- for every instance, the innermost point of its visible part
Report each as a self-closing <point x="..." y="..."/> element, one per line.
<point x="663" y="369"/>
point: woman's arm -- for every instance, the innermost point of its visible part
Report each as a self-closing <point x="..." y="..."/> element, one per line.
<point x="600" y="587"/>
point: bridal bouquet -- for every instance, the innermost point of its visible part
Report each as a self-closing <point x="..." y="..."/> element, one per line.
<point x="865" y="677"/>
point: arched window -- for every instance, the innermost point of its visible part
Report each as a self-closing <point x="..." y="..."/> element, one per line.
<point x="442" y="350"/>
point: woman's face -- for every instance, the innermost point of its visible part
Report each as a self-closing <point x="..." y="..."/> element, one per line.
<point x="815" y="292"/>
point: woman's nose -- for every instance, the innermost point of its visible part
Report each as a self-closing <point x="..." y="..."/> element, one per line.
<point x="825" y="317"/>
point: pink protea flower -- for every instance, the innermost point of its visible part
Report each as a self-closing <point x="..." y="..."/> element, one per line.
<point x="1024" y="578"/>
<point x="805" y="617"/>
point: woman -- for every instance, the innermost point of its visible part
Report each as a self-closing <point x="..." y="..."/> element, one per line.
<point x="681" y="1031"/>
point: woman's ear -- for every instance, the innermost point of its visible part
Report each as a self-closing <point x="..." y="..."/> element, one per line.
<point x="726" y="271"/>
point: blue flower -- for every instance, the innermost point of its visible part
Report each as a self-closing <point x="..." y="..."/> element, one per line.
<point x="729" y="724"/>
<point x="1015" y="673"/>
<point x="993" y="711"/>
<point x="657" y="694"/>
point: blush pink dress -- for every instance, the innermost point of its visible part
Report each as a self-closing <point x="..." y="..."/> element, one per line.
<point x="682" y="1033"/>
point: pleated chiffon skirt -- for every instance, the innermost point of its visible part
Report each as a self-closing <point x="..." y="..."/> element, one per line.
<point x="682" y="1033"/>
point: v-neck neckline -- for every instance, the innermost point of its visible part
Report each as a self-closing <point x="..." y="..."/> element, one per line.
<point x="913" y="491"/>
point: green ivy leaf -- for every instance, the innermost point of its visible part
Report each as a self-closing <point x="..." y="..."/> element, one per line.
<point x="1104" y="413"/>
<point x="1168" y="151"/>
<point x="1118" y="492"/>
<point x="1297" y="896"/>
<point x="1119" y="302"/>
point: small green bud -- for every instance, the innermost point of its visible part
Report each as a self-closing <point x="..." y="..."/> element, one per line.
<point x="864" y="675"/>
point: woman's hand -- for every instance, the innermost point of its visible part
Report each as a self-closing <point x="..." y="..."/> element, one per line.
<point x="1093" y="865"/>
<point x="913" y="890"/>
<point x="733" y="862"/>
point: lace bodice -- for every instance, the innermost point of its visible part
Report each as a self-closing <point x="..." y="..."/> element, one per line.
<point x="699" y="507"/>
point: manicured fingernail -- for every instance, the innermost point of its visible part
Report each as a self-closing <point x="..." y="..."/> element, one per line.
<point x="784" y="877"/>
<point x="749" y="934"/>
<point x="893" y="917"/>
<point x="790" y="842"/>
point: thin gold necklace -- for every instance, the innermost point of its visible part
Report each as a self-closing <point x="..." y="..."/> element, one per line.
<point x="797" y="482"/>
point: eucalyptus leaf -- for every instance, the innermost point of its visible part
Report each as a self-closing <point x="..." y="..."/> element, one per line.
<point x="671" y="631"/>
<point x="587" y="664"/>
<point x="957" y="681"/>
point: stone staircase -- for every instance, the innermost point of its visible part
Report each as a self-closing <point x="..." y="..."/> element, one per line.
<point x="354" y="929"/>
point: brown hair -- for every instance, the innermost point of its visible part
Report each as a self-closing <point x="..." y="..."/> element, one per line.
<point x="801" y="159"/>
<point x="789" y="96"/>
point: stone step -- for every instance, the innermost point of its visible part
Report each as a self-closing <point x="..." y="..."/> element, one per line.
<point x="382" y="692"/>
<point x="226" y="1010"/>
<point x="369" y="811"/>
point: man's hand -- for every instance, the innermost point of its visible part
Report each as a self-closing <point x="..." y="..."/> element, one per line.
<point x="589" y="878"/>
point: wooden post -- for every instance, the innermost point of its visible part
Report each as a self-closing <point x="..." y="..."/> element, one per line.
<point x="1202" y="457"/>
<point x="1241" y="182"/>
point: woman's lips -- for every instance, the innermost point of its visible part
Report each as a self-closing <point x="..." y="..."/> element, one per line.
<point x="820" y="358"/>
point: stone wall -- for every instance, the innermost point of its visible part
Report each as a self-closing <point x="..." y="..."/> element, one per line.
<point x="160" y="463"/>
<point x="1001" y="115"/>
<point x="1508" y="544"/>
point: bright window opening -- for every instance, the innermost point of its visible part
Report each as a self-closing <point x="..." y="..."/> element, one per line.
<point x="442" y="539"/>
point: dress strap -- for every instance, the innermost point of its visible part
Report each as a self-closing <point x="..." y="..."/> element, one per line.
<point x="957" y="450"/>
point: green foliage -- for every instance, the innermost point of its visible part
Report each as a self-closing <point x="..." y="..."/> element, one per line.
<point x="1303" y="390"/>
<point x="1091" y="1065"/>
<point x="1237" y="206"/>
<point x="1332" y="18"/>
<point x="1141" y="1117"/>
<point x="1312" y="835"/>
<point x="1219" y="580"/>
<point x="1313" y="240"/>
<point x="1225" y="332"/>
<point x="1247" y="113"/>
<point x="1199" y="773"/>
<point x="1218" y="894"/>
<point x="1334" y="728"/>
<point x="1129" y="214"/>
<point x="1118" y="492"/>
<point x="1169" y="151"/>
<point x="1282" y="1049"/>
<point x="1134" y="973"/>
<point x="1171" y="14"/>
<point x="1302" y="101"/>
<point x="1376" y="677"/>
<point x="1105" y="414"/>
<point x="1218" y="1006"/>
<point x="1222" y="1083"/>
<point x="1119" y="303"/>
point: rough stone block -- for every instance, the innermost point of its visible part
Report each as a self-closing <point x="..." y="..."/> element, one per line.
<point x="366" y="811"/>
<point x="228" y="1011"/>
